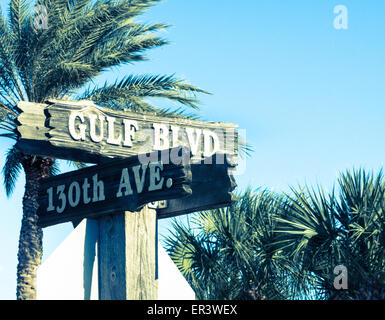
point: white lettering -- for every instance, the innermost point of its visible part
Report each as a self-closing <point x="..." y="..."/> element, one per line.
<point x="156" y="183"/>
<point x="208" y="137"/>
<point x="50" y="199"/>
<point x="98" y="187"/>
<point x="124" y="183"/>
<point x="94" y="137"/>
<point x="62" y="197"/>
<point x="86" y="185"/>
<point x="71" y="200"/>
<point x="194" y="143"/>
<point x="175" y="136"/>
<point x="111" y="132"/>
<point x="161" y="134"/>
<point x="139" y="180"/>
<point x="77" y="135"/>
<point x="130" y="127"/>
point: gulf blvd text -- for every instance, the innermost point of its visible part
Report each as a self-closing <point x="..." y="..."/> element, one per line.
<point x="83" y="125"/>
<point x="83" y="131"/>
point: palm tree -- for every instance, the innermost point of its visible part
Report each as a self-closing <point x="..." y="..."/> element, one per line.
<point x="269" y="246"/>
<point x="227" y="253"/>
<point x="346" y="228"/>
<point x="83" y="38"/>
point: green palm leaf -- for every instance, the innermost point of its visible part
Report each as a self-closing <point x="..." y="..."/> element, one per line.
<point x="83" y="39"/>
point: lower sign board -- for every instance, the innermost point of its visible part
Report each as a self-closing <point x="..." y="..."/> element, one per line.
<point x="120" y="185"/>
<point x="212" y="185"/>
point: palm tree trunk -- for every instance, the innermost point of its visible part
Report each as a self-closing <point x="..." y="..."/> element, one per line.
<point x="31" y="236"/>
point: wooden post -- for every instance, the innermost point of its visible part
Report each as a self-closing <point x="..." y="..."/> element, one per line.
<point x="127" y="256"/>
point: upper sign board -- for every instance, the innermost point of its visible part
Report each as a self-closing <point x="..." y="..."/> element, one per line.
<point x="82" y="131"/>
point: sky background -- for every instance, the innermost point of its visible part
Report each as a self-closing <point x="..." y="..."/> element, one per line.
<point x="310" y="98"/>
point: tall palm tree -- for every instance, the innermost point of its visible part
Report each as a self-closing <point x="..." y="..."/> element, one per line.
<point x="228" y="253"/>
<point x="346" y="228"/>
<point x="82" y="39"/>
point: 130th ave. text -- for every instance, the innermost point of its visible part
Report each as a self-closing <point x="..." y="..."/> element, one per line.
<point x="91" y="189"/>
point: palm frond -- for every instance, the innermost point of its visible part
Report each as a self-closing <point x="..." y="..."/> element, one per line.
<point x="83" y="38"/>
<point x="98" y="35"/>
<point x="134" y="89"/>
<point x="11" y="169"/>
<point x="227" y="254"/>
<point x="345" y="228"/>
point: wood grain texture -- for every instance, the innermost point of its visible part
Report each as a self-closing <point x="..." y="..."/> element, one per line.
<point x="43" y="129"/>
<point x="127" y="256"/>
<point x="212" y="185"/>
<point x="141" y="255"/>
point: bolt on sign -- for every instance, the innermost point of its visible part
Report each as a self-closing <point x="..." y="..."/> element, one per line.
<point x="116" y="186"/>
<point x="83" y="131"/>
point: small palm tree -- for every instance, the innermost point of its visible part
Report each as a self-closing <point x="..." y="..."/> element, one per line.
<point x="229" y="253"/>
<point x="83" y="38"/>
<point x="346" y="228"/>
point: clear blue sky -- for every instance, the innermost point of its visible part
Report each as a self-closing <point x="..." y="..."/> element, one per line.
<point x="311" y="98"/>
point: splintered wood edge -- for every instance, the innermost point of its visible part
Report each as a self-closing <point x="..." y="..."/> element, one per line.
<point x="33" y="110"/>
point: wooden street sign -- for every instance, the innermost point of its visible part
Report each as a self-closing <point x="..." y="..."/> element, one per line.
<point x="212" y="185"/>
<point x="116" y="186"/>
<point x="82" y="131"/>
<point x="141" y="159"/>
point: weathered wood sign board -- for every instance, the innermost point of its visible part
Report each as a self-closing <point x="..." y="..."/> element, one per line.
<point x="212" y="185"/>
<point x="82" y="131"/>
<point x="115" y="191"/>
<point x="112" y="187"/>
